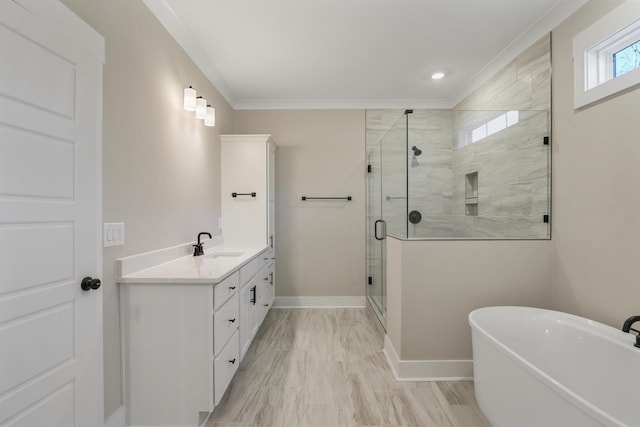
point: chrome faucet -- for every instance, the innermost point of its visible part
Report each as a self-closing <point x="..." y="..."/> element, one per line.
<point x="197" y="249"/>
<point x="627" y="327"/>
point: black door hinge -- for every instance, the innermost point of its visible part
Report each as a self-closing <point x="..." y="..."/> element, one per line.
<point x="545" y="218"/>
<point x="545" y="140"/>
<point x="370" y="280"/>
<point x="369" y="168"/>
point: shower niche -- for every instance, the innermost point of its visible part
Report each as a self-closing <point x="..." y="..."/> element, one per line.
<point x="471" y="194"/>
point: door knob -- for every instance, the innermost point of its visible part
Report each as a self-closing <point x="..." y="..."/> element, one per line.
<point x="89" y="283"/>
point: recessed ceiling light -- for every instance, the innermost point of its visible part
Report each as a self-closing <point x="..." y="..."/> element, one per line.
<point x="437" y="76"/>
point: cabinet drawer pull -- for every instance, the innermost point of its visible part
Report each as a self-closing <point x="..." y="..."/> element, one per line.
<point x="232" y="287"/>
<point x="232" y="320"/>
<point x="232" y="361"/>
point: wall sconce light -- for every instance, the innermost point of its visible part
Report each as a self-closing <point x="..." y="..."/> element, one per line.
<point x="204" y="111"/>
<point x="201" y="108"/>
<point x="190" y="99"/>
<point x="210" y="120"/>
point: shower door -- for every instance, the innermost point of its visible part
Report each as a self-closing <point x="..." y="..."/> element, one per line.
<point x="376" y="289"/>
<point x="386" y="208"/>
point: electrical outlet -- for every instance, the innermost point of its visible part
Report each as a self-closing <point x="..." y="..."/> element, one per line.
<point x="112" y="234"/>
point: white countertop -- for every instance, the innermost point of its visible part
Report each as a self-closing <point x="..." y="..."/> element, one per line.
<point x="214" y="266"/>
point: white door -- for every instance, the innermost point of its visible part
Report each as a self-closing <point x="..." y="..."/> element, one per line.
<point x="50" y="198"/>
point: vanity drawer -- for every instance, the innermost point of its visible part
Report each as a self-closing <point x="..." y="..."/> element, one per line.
<point x="251" y="268"/>
<point x="225" y="323"/>
<point x="225" y="289"/>
<point x="225" y="366"/>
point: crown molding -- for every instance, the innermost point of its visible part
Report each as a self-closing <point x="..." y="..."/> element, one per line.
<point x="561" y="10"/>
<point x="548" y="22"/>
<point x="339" y="104"/>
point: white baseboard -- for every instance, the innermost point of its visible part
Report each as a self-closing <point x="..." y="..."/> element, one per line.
<point x="320" y="302"/>
<point x="426" y="370"/>
<point x="117" y="419"/>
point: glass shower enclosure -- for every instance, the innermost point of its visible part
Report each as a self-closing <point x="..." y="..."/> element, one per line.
<point x="386" y="202"/>
<point x="456" y="175"/>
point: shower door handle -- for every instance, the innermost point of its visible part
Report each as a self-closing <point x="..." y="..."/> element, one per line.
<point x="384" y="229"/>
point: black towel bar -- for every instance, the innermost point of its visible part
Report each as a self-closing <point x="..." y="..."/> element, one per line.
<point x="348" y="198"/>
<point x="243" y="194"/>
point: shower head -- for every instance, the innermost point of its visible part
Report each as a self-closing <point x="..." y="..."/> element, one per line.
<point x="416" y="151"/>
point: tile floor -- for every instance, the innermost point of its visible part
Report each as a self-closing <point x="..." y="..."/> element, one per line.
<point x="325" y="368"/>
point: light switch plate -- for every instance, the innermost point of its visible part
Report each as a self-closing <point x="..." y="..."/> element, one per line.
<point x="112" y="234"/>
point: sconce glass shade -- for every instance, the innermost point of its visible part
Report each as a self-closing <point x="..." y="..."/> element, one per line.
<point x="190" y="99"/>
<point x="201" y="108"/>
<point x="210" y="120"/>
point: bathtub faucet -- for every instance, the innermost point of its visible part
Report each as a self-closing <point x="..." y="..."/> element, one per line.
<point x="627" y="327"/>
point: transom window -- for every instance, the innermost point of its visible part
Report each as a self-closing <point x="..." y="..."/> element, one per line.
<point x="606" y="55"/>
<point x="501" y="122"/>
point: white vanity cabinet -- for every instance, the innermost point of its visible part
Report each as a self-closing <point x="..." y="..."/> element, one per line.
<point x="256" y="298"/>
<point x="183" y="342"/>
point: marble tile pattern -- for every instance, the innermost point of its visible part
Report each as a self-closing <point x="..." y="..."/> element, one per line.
<point x="325" y="368"/>
<point x="523" y="84"/>
<point x="513" y="174"/>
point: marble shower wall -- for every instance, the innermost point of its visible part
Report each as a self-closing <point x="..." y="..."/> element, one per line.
<point x="523" y="84"/>
<point x="513" y="180"/>
<point x="513" y="165"/>
<point x="431" y="173"/>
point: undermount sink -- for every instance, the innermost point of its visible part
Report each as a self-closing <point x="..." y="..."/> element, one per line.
<point x="224" y="255"/>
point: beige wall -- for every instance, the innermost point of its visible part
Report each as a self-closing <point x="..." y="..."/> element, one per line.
<point x="320" y="245"/>
<point x="161" y="165"/>
<point x="596" y="209"/>
<point x="443" y="281"/>
<point x="394" y="292"/>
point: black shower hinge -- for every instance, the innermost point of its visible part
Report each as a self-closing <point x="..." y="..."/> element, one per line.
<point x="370" y="281"/>
<point x="369" y="168"/>
<point x="545" y="218"/>
<point x="545" y="140"/>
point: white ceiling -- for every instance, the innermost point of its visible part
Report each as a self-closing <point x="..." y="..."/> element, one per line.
<point x="354" y="53"/>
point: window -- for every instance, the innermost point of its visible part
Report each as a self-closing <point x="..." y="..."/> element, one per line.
<point x="607" y="55"/>
<point x="493" y="126"/>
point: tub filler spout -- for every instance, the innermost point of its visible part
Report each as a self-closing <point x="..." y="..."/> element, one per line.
<point x="627" y="327"/>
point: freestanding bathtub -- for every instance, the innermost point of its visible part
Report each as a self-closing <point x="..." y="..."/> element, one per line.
<point x="542" y="368"/>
